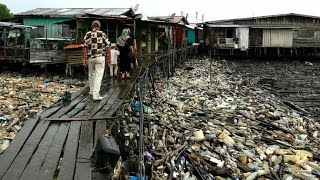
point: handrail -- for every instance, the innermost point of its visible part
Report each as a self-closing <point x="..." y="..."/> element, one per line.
<point x="162" y="67"/>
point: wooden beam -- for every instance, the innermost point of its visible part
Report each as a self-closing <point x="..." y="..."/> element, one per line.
<point x="83" y="163"/>
<point x="47" y="170"/>
<point x="13" y="150"/>
<point x="24" y="156"/>
<point x="79" y="119"/>
<point x="32" y="170"/>
<point x="70" y="152"/>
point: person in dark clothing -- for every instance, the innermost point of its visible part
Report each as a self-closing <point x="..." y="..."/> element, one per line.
<point x="164" y="42"/>
<point x="134" y="60"/>
<point x="125" y="46"/>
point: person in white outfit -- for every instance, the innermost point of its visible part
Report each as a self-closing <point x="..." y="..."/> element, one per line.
<point x="113" y="65"/>
<point x="96" y="44"/>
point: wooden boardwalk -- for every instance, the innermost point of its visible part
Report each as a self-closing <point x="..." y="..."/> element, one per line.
<point x="63" y="136"/>
<point x="58" y="143"/>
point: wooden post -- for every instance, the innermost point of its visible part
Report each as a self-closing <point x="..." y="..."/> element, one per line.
<point x="117" y="28"/>
<point x="77" y="31"/>
<point x="278" y="52"/>
<point x="5" y="43"/>
<point x="108" y="30"/>
<point x="46" y="39"/>
<point x="134" y="27"/>
<point x="260" y="52"/>
<point x="210" y="73"/>
<point x="15" y="47"/>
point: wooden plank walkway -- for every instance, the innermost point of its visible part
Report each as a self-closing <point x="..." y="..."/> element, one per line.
<point x="59" y="143"/>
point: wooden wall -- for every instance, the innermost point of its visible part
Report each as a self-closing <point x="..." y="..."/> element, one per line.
<point x="277" y="38"/>
<point x="308" y="35"/>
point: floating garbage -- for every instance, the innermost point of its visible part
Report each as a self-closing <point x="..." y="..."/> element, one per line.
<point x="22" y="97"/>
<point x="222" y="129"/>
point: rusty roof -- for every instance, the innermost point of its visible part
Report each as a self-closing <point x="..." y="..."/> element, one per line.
<point x="259" y="17"/>
<point x="174" y="19"/>
<point x="15" y="25"/>
<point x="77" y="12"/>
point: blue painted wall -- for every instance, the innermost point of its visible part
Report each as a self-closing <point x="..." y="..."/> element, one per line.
<point x="191" y="36"/>
<point x="48" y="23"/>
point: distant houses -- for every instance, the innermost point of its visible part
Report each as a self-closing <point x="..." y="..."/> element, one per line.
<point x="40" y="35"/>
<point x="289" y="35"/>
<point x="54" y="28"/>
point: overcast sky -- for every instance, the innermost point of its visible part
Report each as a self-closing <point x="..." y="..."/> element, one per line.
<point x="212" y="9"/>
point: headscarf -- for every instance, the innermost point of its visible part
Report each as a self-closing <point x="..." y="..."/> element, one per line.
<point x="121" y="41"/>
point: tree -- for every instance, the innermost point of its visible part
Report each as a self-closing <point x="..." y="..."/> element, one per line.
<point x="5" y="12"/>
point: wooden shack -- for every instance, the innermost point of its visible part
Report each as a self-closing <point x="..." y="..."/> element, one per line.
<point x="283" y="35"/>
<point x="13" y="44"/>
<point x="56" y="28"/>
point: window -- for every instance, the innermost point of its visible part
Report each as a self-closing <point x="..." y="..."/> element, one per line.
<point x="229" y="33"/>
<point x="316" y="34"/>
<point x="65" y="30"/>
<point x="38" y="32"/>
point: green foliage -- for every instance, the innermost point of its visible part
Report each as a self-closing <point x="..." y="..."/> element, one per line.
<point x="5" y="12"/>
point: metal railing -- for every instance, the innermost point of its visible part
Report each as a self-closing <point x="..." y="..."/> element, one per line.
<point x="163" y="67"/>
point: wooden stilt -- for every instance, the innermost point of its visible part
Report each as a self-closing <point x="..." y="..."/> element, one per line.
<point x="260" y="52"/>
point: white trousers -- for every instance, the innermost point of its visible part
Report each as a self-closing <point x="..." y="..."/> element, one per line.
<point x="115" y="72"/>
<point x="96" y="70"/>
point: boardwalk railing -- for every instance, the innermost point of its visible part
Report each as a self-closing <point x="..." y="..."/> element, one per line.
<point x="163" y="67"/>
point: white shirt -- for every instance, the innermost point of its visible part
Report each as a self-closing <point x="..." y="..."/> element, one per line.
<point x="114" y="56"/>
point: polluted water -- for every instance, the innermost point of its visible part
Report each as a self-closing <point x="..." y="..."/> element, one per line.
<point x="197" y="127"/>
<point x="24" y="96"/>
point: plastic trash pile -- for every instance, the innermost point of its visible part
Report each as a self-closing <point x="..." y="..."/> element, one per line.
<point x="225" y="128"/>
<point x="22" y="97"/>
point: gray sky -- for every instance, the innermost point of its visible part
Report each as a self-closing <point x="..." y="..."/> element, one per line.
<point x="212" y="9"/>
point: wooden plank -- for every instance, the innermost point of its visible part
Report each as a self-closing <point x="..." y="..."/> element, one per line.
<point x="128" y="86"/>
<point x="83" y="164"/>
<point x="79" y="107"/>
<point x="110" y="113"/>
<point x="68" y="107"/>
<point x="32" y="170"/>
<point x="12" y="151"/>
<point x="85" y="111"/>
<point x="81" y="92"/>
<point x="24" y="156"/>
<point x="70" y="152"/>
<point x="52" y="159"/>
<point x="51" y="110"/>
<point x="100" y="128"/>
<point x="57" y="106"/>
<point x="104" y="101"/>
<point x="108" y="105"/>
<point x="79" y="118"/>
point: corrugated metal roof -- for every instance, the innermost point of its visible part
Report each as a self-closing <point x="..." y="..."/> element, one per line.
<point x="274" y="26"/>
<point x="174" y="19"/>
<point x="76" y="12"/>
<point x="260" y="17"/>
<point x="14" y="25"/>
<point x="258" y="26"/>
